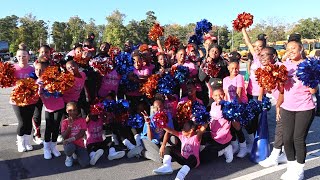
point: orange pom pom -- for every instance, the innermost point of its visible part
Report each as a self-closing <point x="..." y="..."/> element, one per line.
<point x="271" y="76"/>
<point x="7" y="78"/>
<point x="172" y="43"/>
<point x="55" y="81"/>
<point x="149" y="87"/>
<point x="184" y="113"/>
<point x="25" y="92"/>
<point x="243" y="20"/>
<point x="114" y="51"/>
<point x="155" y="32"/>
<point x="143" y="47"/>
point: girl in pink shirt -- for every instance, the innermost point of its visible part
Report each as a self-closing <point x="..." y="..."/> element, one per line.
<point x="297" y="113"/>
<point x="139" y="75"/>
<point x="233" y="87"/>
<point x="218" y="140"/>
<point x="110" y="82"/>
<point x="23" y="113"/>
<point x="73" y="130"/>
<point x="95" y="143"/>
<point x="188" y="156"/>
<point x="54" y="107"/>
<point x="77" y="93"/>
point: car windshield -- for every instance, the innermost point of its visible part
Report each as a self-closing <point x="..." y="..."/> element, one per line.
<point x="243" y="48"/>
<point x="279" y="47"/>
<point x="317" y="45"/>
<point x="306" y="46"/>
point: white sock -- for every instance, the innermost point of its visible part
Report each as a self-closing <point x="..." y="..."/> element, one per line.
<point x="114" y="139"/>
<point x="137" y="138"/>
<point x="220" y="153"/>
<point x="92" y="154"/>
<point x="112" y="150"/>
<point x="167" y="160"/>
<point x="127" y="143"/>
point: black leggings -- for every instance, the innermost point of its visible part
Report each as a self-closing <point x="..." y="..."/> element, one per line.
<point x="278" y="138"/>
<point x="52" y="125"/>
<point x="252" y="125"/>
<point x="24" y="115"/>
<point x="210" y="152"/>
<point x="175" y="153"/>
<point x="296" y="125"/>
<point x="237" y="134"/>
<point x="36" y="119"/>
<point x="98" y="145"/>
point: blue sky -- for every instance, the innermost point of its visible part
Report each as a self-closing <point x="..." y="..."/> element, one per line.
<point x="167" y="11"/>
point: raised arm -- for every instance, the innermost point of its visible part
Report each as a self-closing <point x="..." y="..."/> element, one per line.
<point x="247" y="40"/>
<point x="160" y="46"/>
<point x="201" y="131"/>
<point x="171" y="131"/>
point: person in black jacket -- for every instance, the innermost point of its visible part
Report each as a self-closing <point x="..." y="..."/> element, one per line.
<point x="206" y="75"/>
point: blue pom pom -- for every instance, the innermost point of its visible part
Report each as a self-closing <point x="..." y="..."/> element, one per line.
<point x="266" y="103"/>
<point x="128" y="85"/>
<point x="196" y="39"/>
<point x="203" y="26"/>
<point x="181" y="74"/>
<point x="308" y="72"/>
<point x="166" y="84"/>
<point x="121" y="106"/>
<point x="109" y="105"/>
<point x="199" y="113"/>
<point x="135" y="121"/>
<point x="255" y="106"/>
<point x="124" y="63"/>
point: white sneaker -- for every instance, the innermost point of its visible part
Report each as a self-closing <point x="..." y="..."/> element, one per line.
<point x="69" y="161"/>
<point x="228" y="153"/>
<point x="96" y="157"/>
<point x="183" y="172"/>
<point x="59" y="139"/>
<point x="164" y="169"/>
<point x="299" y="171"/>
<point x="20" y="144"/>
<point x="289" y="172"/>
<point x="47" y="150"/>
<point x="282" y="159"/>
<point x="116" y="155"/>
<point x="135" y="151"/>
<point x="270" y="161"/>
<point x="37" y="140"/>
<point x="27" y="143"/>
<point x="243" y="150"/>
<point x="54" y="150"/>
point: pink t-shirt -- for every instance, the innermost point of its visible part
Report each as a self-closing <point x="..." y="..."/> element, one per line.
<point x="253" y="86"/>
<point x="73" y="94"/>
<point x="110" y="82"/>
<point x="145" y="71"/>
<point x="231" y="85"/>
<point x="192" y="68"/>
<point x="220" y="127"/>
<point x="185" y="99"/>
<point x="297" y="97"/>
<point x="190" y="146"/>
<point x="94" y="131"/>
<point x="22" y="73"/>
<point x="51" y="104"/>
<point x="78" y="124"/>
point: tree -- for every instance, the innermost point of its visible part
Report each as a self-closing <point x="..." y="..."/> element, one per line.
<point x="8" y="25"/>
<point x="308" y="28"/>
<point x="76" y="29"/>
<point x="61" y="38"/>
<point x="115" y="32"/>
<point x="32" y="32"/>
<point x="100" y="30"/>
<point x="182" y="32"/>
<point x="222" y="33"/>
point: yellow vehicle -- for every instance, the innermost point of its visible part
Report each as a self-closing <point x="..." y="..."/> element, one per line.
<point x="308" y="45"/>
<point x="280" y="46"/>
<point x="316" y="46"/>
<point x="243" y="50"/>
<point x="270" y="44"/>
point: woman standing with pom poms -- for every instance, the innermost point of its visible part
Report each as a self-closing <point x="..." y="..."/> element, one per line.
<point x="23" y="103"/>
<point x="296" y="113"/>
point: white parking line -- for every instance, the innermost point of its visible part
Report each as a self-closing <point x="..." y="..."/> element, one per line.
<point x="312" y="155"/>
